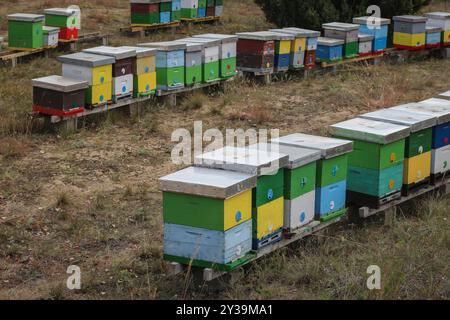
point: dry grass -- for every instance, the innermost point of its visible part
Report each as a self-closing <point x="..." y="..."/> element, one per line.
<point x="92" y="198"/>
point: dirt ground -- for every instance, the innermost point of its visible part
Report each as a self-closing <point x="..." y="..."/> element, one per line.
<point x="91" y="198"/>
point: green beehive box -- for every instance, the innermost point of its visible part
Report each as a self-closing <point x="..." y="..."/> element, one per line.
<point x="61" y="17"/>
<point x="144" y="18"/>
<point x="351" y="49"/>
<point x="176" y="16"/>
<point x="189" y="13"/>
<point x="201" y="3"/>
<point x="165" y="6"/>
<point x="25" y="31"/>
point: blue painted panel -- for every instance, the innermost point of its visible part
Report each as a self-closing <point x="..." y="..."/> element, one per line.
<point x="201" y="12"/>
<point x="332" y="53"/>
<point x="379" y="44"/>
<point x="311" y="42"/>
<point x="209" y="245"/>
<point x="164" y="17"/>
<point x="175" y="58"/>
<point x="282" y="60"/>
<point x="176" y="5"/>
<point x="330" y="198"/>
<point x="375" y="182"/>
<point x="434" y="38"/>
<point x="382" y="32"/>
<point x="161" y="59"/>
<point x="441" y="135"/>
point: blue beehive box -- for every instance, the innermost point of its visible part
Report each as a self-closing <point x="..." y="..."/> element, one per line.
<point x="164" y="17"/>
<point x="433" y="38"/>
<point x="329" y="50"/>
<point x="201" y="12"/>
<point x="378" y="27"/>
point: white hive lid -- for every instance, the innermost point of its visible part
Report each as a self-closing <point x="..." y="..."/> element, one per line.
<point x="416" y="121"/>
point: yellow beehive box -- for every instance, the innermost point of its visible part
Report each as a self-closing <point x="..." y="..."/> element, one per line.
<point x="269" y="217"/>
<point x="417" y="168"/>
<point x="99" y="94"/>
<point x="284" y="47"/>
<point x="145" y="84"/>
<point x="409" y="40"/>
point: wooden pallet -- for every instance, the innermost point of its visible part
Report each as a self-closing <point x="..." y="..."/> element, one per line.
<point x="145" y="28"/>
<point x="313" y="227"/>
<point x="352" y="60"/>
<point x="200" y="20"/>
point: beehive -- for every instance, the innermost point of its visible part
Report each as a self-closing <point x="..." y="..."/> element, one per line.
<point x="299" y="183"/>
<point x="433" y="37"/>
<point x="256" y="51"/>
<point x="311" y="45"/>
<point x="227" y="55"/>
<point x="93" y="68"/>
<point x="344" y="31"/>
<point x="440" y="20"/>
<point x="165" y="9"/>
<point x="417" y="146"/>
<point x="218" y="11"/>
<point x="170" y="64"/>
<point x="122" y="72"/>
<point x="298" y="48"/>
<point x="64" y="18"/>
<point x="267" y="197"/>
<point x="375" y="166"/>
<point x="145" y="11"/>
<point x="144" y="71"/>
<point x="210" y="58"/>
<point x="207" y="216"/>
<point x="51" y="35"/>
<point x="409" y="32"/>
<point x="58" y="96"/>
<point x="331" y="175"/>
<point x="329" y="50"/>
<point x="25" y="31"/>
<point x="193" y="61"/>
<point x="440" y="147"/>
<point x="365" y="44"/>
<point x="189" y="9"/>
<point x="282" y="51"/>
<point x="377" y="27"/>
<point x="176" y="10"/>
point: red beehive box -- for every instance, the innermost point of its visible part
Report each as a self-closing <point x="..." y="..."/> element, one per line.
<point x="68" y="33"/>
<point x="144" y="8"/>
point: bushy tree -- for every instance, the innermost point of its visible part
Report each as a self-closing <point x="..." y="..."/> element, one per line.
<point x="312" y="13"/>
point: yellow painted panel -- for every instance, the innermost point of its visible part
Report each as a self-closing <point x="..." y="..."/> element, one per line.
<point x="410" y="40"/>
<point x="446" y="35"/>
<point x="237" y="209"/>
<point x="269" y="217"/>
<point x="285" y="46"/>
<point x="417" y="168"/>
<point x="298" y="45"/>
<point x="145" y="65"/>
<point x="101" y="90"/>
<point x="102" y="75"/>
<point x="146" y="82"/>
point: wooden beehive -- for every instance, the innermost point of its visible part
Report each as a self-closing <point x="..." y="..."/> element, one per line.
<point x="433" y="37"/>
<point x="331" y="176"/>
<point x="344" y="31"/>
<point x="95" y="69"/>
<point x="256" y="51"/>
<point x="375" y="170"/>
<point x="409" y="32"/>
<point x="189" y="9"/>
<point x="440" y="20"/>
<point x="51" y="36"/>
<point x="170" y="64"/>
<point x="418" y="144"/>
<point x="193" y="61"/>
<point x="66" y="19"/>
<point x="365" y="44"/>
<point x="267" y="198"/>
<point x="329" y="50"/>
<point x="25" y="31"/>
<point x="59" y="96"/>
<point x="299" y="183"/>
<point x="207" y="215"/>
<point x="228" y="52"/>
<point x="377" y="27"/>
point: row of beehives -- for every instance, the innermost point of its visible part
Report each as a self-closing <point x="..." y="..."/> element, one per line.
<point x="101" y="75"/>
<point x="236" y="201"/>
<point x="27" y="31"/>
<point x="294" y="48"/>
<point x="147" y="12"/>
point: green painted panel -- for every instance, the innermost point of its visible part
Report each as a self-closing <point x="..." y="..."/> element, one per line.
<point x="332" y="170"/>
<point x="376" y="156"/>
<point x="211" y="71"/>
<point x="268" y="188"/>
<point x="228" y="67"/>
<point x="165" y="6"/>
<point x="170" y="76"/>
<point x="419" y="142"/>
<point x="23" y="34"/>
<point x="351" y="49"/>
<point x="202" y="3"/>
<point x="60" y="21"/>
<point x="176" y="15"/>
<point x="194" y="75"/>
<point x="206" y="264"/>
<point x="193" y="210"/>
<point x="299" y="181"/>
<point x="189" y="13"/>
<point x="145" y="18"/>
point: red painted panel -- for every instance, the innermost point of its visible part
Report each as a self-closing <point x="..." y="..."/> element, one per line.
<point x="144" y="8"/>
<point x="246" y="46"/>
